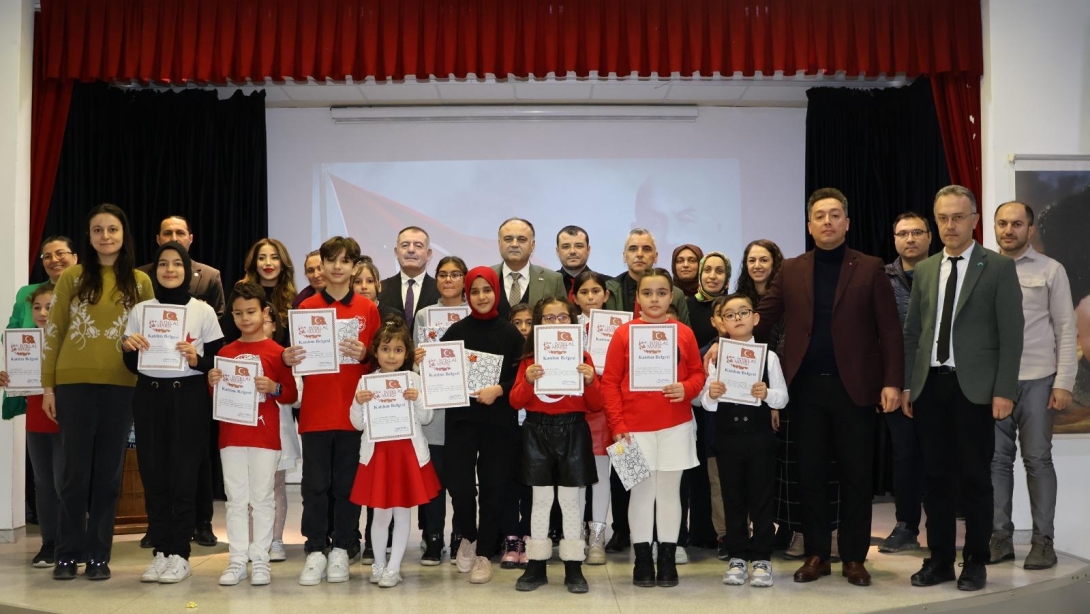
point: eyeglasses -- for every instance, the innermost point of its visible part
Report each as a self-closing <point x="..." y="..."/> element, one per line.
<point x="551" y="319"/>
<point x="732" y="316"/>
<point x="57" y="255"/>
<point x="451" y="276"/>
<point x="915" y="233"/>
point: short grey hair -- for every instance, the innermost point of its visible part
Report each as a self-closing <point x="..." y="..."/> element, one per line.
<point x="641" y="232"/>
<point x="957" y="190"/>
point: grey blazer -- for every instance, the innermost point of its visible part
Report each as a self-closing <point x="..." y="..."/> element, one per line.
<point x="987" y="329"/>
<point x="543" y="282"/>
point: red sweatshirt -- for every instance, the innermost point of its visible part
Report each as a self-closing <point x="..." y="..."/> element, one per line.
<point x="522" y="394"/>
<point x="327" y="397"/>
<point x="649" y="411"/>
<point x="267" y="432"/>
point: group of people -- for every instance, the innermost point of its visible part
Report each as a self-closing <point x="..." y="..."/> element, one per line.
<point x="966" y="353"/>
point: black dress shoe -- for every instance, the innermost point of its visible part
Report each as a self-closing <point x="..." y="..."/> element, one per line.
<point x="97" y="570"/>
<point x="618" y="543"/>
<point x="973" y="575"/>
<point x="65" y="570"/>
<point x="204" y="536"/>
<point x="145" y="542"/>
<point x="933" y="572"/>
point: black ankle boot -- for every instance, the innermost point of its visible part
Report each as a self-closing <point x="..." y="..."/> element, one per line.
<point x="618" y="543"/>
<point x="667" y="575"/>
<point x="534" y="576"/>
<point x="573" y="577"/>
<point x="643" y="573"/>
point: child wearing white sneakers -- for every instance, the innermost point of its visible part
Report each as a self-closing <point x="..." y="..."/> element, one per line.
<point x="250" y="454"/>
<point x="746" y="435"/>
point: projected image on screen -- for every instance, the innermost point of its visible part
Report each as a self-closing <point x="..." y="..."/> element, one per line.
<point x="462" y="203"/>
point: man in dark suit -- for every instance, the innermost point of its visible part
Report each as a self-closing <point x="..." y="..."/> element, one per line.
<point x="206" y="284"/>
<point x="640" y="254"/>
<point x="963" y="346"/>
<point x="411" y="289"/>
<point x="843" y="355"/>
<point x="573" y="251"/>
<point x="522" y="282"/>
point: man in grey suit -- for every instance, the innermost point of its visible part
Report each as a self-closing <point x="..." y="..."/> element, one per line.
<point x="522" y="282"/>
<point x="206" y="284"/>
<point x="963" y="345"/>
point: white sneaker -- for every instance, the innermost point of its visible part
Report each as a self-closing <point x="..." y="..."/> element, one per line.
<point x="736" y="573"/>
<point x="314" y="569"/>
<point x="376" y="573"/>
<point x="762" y="573"/>
<point x="262" y="574"/>
<point x="390" y="578"/>
<point x="235" y="573"/>
<point x="177" y="570"/>
<point x="338" y="566"/>
<point x="467" y="552"/>
<point x="277" y="553"/>
<point x="158" y="565"/>
<point x="680" y="556"/>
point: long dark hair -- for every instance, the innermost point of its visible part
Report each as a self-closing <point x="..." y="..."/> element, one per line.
<point x="89" y="288"/>
<point x="283" y="293"/>
<point x="746" y="284"/>
<point x="539" y="308"/>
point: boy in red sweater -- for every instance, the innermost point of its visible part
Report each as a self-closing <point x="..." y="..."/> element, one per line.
<point x="331" y="445"/>
<point x="661" y="424"/>
<point x="250" y="454"/>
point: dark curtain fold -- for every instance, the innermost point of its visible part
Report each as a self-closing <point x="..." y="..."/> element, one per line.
<point x="220" y="40"/>
<point x="883" y="148"/>
<point x="156" y="154"/>
<point x="957" y="102"/>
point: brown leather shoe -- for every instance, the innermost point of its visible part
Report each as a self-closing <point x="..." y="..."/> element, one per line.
<point x="856" y="573"/>
<point x="812" y="569"/>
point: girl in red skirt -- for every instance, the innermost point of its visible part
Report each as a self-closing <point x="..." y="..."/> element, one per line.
<point x="393" y="476"/>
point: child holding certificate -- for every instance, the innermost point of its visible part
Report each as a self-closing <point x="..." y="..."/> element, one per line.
<point x="171" y="409"/>
<point x="42" y="442"/>
<point x="250" y="454"/>
<point x="746" y="431"/>
<point x="659" y="420"/>
<point x="518" y="497"/>
<point x="556" y="452"/>
<point x="393" y="476"/>
<point x="482" y="437"/>
<point x="589" y="290"/>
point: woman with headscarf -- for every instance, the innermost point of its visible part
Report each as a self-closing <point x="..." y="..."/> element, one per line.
<point x="482" y="438"/>
<point x="685" y="265"/>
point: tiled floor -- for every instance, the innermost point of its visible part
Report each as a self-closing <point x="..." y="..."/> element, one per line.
<point x="441" y="589"/>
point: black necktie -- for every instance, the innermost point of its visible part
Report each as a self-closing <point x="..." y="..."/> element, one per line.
<point x="943" y="351"/>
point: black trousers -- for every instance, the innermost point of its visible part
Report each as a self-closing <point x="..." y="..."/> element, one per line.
<point x="484" y="452"/>
<point x="95" y="421"/>
<point x="748" y="483"/>
<point x="907" y="469"/>
<point x="330" y="460"/>
<point x="700" y="529"/>
<point x="171" y="420"/>
<point x="957" y="441"/>
<point x="618" y="504"/>
<point x="432" y="516"/>
<point x="205" y="482"/>
<point x="829" y="426"/>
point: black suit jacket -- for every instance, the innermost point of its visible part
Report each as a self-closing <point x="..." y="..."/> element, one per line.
<point x="427" y="294"/>
<point x="206" y="285"/>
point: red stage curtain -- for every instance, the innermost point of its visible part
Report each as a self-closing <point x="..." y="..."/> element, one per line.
<point x="48" y="116"/>
<point x="957" y="103"/>
<point x="219" y="40"/>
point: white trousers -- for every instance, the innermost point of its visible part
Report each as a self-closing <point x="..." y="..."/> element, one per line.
<point x="249" y="475"/>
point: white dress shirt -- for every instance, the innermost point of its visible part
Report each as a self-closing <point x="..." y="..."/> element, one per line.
<point x="419" y="279"/>
<point x="1049" y="342"/>
<point x="524" y="278"/>
<point x="777" y="385"/>
<point x="944" y="275"/>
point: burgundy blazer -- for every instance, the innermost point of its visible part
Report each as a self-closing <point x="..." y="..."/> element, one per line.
<point x="867" y="336"/>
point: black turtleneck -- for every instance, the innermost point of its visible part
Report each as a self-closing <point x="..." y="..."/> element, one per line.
<point x="820" y="358"/>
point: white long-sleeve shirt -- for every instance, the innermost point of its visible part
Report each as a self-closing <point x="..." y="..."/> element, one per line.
<point x="777" y="385"/>
<point x="1049" y="339"/>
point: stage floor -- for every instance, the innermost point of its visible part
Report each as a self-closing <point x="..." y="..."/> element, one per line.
<point x="441" y="589"/>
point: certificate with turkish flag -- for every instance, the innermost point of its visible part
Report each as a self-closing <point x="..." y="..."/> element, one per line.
<point x="739" y="366"/>
<point x="235" y="397"/>
<point x="652" y="357"/>
<point x="164" y="328"/>
<point x="23" y="359"/>
<point x="558" y="349"/>
<point x="315" y="331"/>
<point x="600" y="332"/>
<point x="388" y="416"/>
<point x="444" y="375"/>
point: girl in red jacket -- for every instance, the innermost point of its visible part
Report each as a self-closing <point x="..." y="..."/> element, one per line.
<point x="556" y="451"/>
<point x="660" y="422"/>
